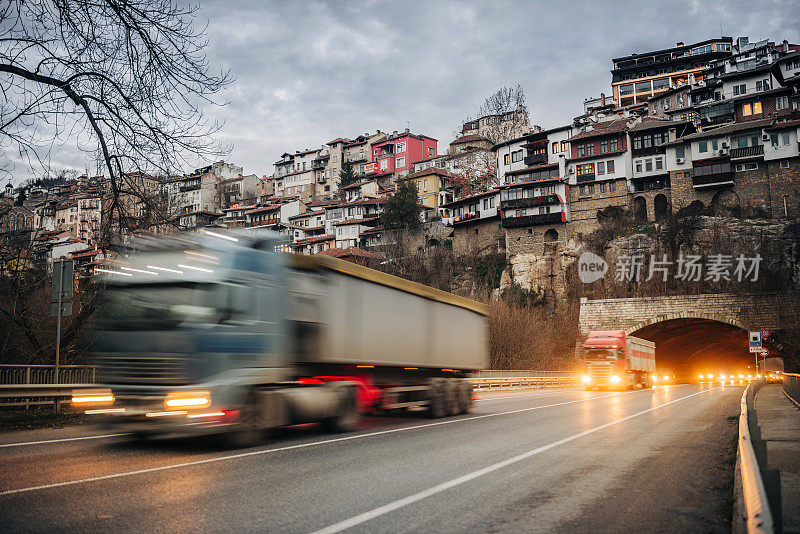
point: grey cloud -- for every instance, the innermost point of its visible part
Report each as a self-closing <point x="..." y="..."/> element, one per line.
<point x="308" y="72"/>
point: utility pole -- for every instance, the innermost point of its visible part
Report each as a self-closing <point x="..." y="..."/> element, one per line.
<point x="61" y="293"/>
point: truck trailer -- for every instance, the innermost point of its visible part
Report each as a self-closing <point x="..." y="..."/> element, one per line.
<point x="219" y="333"/>
<point x="614" y="359"/>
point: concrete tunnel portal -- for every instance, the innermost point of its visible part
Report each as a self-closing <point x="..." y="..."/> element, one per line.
<point x="690" y="347"/>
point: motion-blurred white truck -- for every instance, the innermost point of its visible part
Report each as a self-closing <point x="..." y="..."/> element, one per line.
<point x="216" y="332"/>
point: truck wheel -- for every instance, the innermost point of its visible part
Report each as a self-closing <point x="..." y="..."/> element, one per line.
<point x="464" y="392"/>
<point x="451" y="404"/>
<point x="436" y="400"/>
<point x="247" y="431"/>
<point x="348" y="415"/>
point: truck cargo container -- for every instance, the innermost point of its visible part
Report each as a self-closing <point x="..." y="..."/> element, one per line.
<point x="614" y="359"/>
<point x="216" y="332"/>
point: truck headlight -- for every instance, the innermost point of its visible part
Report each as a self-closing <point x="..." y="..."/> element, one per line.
<point x="586" y="379"/>
<point x="188" y="399"/>
<point x="666" y="377"/>
<point x="615" y="379"/>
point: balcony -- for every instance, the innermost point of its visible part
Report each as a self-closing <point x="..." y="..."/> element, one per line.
<point x="467" y="217"/>
<point x="713" y="180"/>
<point x="582" y="178"/>
<point x="531" y="201"/>
<point x="747" y="152"/>
<point x="317" y="164"/>
<point x="533" y="220"/>
<point x="539" y="159"/>
<point x="189" y="187"/>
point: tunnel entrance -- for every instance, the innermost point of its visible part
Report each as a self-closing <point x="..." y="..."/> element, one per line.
<point x="691" y="347"/>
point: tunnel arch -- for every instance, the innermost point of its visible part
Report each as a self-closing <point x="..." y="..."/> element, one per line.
<point x="690" y="344"/>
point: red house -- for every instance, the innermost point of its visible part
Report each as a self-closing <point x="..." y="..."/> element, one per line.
<point x="398" y="152"/>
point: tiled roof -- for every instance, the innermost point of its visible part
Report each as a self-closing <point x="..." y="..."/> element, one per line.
<point x="315" y="239"/>
<point x="723" y="130"/>
<point x="263" y="209"/>
<point x="601" y="129"/>
<point x="308" y="214"/>
<point x="350" y="251"/>
<point x="785" y="124"/>
<point x="469" y="139"/>
<point x="358" y="184"/>
<point x="470" y="197"/>
<point x="338" y="140"/>
<point x="364" y="220"/>
<point x="535" y="168"/>
<point x="650" y="123"/>
<point x="429" y="171"/>
<point x="364" y="202"/>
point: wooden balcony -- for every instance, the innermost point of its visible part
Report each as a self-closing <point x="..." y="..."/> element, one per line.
<point x="534" y="220"/>
<point x="531" y="201"/>
<point x="747" y="152"/>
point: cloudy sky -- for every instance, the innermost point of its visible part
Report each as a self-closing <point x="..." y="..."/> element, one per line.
<point x="308" y="72"/>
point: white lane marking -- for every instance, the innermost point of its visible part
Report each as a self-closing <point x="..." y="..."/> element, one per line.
<point x="529" y="395"/>
<point x="298" y="446"/>
<point x="385" y="509"/>
<point x="60" y="440"/>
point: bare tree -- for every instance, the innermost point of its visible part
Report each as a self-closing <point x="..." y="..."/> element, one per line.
<point x="125" y="78"/>
<point x="507" y="114"/>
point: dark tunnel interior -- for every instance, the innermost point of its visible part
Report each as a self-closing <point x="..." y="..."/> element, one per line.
<point x="690" y="347"/>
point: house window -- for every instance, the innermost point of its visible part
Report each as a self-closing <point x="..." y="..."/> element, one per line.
<point x="384" y="164"/>
<point x="582" y="190"/>
<point x="680" y="152"/>
<point x="564" y="146"/>
<point x="638" y="166"/>
<point x="516" y="156"/>
<point x="782" y="102"/>
<point x="591" y="189"/>
<point x="702" y="146"/>
<point x="739" y="89"/>
<point x="431" y="151"/>
<point x="580" y="150"/>
<point x="589" y="149"/>
<point x="603" y="187"/>
<point x="603" y="147"/>
<point x="659" y="163"/>
<point x="614" y="145"/>
<point x="401" y="147"/>
<point x="785" y="138"/>
<point x="747" y="166"/>
<point x="505" y="159"/>
<point x="610" y="166"/>
<point x="601" y="167"/>
<point x="612" y="186"/>
<point x="785" y="164"/>
<point x="555" y="148"/>
<point x="648" y="165"/>
<point x="333" y="158"/>
<point x="585" y="169"/>
<point x="401" y="162"/>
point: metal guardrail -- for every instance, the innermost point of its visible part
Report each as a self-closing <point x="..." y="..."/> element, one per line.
<point x="503" y="373"/>
<point x="757" y="516"/>
<point x="483" y="384"/>
<point x="38" y="394"/>
<point x="791" y="387"/>
<point x="11" y="373"/>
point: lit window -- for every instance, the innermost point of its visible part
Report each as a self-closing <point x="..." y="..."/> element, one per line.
<point x="756" y="108"/>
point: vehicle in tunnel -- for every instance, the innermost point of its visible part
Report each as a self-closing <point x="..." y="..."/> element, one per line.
<point x="664" y="376"/>
<point x="614" y="359"/>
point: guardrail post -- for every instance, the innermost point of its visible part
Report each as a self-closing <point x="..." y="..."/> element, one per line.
<point x="28" y="381"/>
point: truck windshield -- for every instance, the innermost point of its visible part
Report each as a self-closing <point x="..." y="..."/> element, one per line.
<point x="601" y="354"/>
<point x="155" y="306"/>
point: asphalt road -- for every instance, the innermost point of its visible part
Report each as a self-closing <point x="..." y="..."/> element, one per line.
<point x="558" y="460"/>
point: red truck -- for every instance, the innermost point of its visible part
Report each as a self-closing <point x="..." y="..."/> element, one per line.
<point x="613" y="359"/>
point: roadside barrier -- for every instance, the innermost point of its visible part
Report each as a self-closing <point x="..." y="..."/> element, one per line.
<point x="755" y="515"/>
<point x="791" y="387"/>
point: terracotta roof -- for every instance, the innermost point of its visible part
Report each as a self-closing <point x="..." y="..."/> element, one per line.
<point x="264" y="209"/>
<point x="364" y="202"/>
<point x="372" y="231"/>
<point x="315" y="239"/>
<point x="723" y="130"/>
<point x="308" y="214"/>
<point x="785" y="124"/>
<point x="429" y="171"/>
<point x="350" y="251"/>
<point x="364" y="220"/>
<point x="86" y="253"/>
<point x="358" y="184"/>
<point x="338" y="140"/>
<point x="650" y="123"/>
<point x="470" y="197"/>
<point x="469" y="139"/>
<point x="601" y="129"/>
<point x="239" y="208"/>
